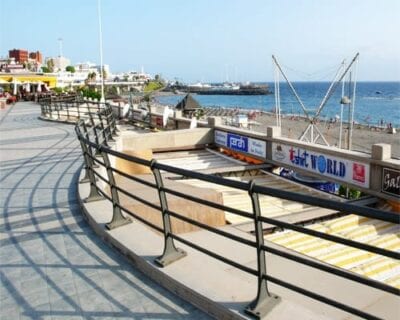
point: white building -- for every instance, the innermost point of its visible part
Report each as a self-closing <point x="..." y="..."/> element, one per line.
<point x="70" y="79"/>
<point x="60" y="63"/>
<point x="85" y="67"/>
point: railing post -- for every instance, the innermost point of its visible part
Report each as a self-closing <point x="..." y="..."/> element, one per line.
<point x="79" y="111"/>
<point x="108" y="124"/>
<point x="51" y="110"/>
<point x="93" y="193"/>
<point x="96" y="136"/>
<point x="87" y="136"/>
<point x="103" y="130"/>
<point x="265" y="301"/>
<point x="113" y="122"/>
<point x="86" y="157"/>
<point x="58" y="110"/>
<point x="118" y="219"/>
<point x="68" y="110"/>
<point x="170" y="253"/>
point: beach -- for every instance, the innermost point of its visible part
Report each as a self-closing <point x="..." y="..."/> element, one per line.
<point x="363" y="136"/>
<point x="293" y="126"/>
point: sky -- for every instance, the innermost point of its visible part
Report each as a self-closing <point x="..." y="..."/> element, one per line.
<point x="213" y="40"/>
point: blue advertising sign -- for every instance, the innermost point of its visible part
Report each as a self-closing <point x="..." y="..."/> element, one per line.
<point x="238" y="143"/>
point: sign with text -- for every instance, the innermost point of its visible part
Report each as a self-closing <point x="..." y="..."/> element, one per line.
<point x="391" y="181"/>
<point x="326" y="165"/>
<point x="241" y="143"/>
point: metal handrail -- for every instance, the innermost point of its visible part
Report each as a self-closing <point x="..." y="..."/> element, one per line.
<point x="100" y="133"/>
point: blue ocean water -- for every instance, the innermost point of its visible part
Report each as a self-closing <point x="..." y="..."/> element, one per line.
<point x="375" y="102"/>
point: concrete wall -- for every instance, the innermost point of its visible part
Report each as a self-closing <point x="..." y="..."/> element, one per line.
<point x="165" y="140"/>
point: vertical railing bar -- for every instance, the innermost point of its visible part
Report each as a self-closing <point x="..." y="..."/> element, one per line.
<point x="96" y="136"/>
<point x="93" y="193"/>
<point x="117" y="219"/>
<point x="103" y="131"/>
<point x="170" y="253"/>
<point x="265" y="301"/>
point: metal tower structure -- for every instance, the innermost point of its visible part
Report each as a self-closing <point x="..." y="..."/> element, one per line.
<point x="312" y="133"/>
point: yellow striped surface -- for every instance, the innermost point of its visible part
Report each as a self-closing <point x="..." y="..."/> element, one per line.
<point x="370" y="231"/>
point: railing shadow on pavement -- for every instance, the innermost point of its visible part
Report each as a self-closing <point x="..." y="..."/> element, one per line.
<point x="97" y="128"/>
<point x="65" y="230"/>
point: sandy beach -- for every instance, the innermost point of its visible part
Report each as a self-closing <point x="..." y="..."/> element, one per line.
<point x="363" y="137"/>
<point x="293" y="126"/>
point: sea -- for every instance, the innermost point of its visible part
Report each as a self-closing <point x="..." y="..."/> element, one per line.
<point x="375" y="103"/>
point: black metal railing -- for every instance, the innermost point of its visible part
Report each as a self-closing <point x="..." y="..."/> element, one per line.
<point x="96" y="132"/>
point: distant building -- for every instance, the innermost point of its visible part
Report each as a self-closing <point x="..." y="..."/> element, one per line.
<point x="70" y="79"/>
<point x="37" y="56"/>
<point x="106" y="69"/>
<point x="59" y="63"/>
<point x="19" y="55"/>
<point x="85" y="67"/>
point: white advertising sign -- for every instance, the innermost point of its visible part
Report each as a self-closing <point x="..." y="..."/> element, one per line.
<point x="350" y="171"/>
<point x="258" y="148"/>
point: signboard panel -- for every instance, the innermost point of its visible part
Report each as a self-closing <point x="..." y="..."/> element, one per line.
<point x="221" y="138"/>
<point x="241" y="143"/>
<point x="238" y="143"/>
<point x="258" y="147"/>
<point x="328" y="166"/>
<point x="391" y="181"/>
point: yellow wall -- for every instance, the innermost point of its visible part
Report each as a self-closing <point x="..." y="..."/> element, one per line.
<point x="51" y="81"/>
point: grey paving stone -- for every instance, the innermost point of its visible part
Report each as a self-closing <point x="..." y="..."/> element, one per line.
<point x="12" y="313"/>
<point x="52" y="265"/>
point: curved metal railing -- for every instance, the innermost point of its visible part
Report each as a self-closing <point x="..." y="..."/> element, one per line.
<point x="98" y="127"/>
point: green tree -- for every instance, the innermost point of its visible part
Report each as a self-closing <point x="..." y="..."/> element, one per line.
<point x="153" y="86"/>
<point x="45" y="69"/>
<point x="70" y="69"/>
<point x="50" y="65"/>
<point x="351" y="193"/>
<point x="91" y="77"/>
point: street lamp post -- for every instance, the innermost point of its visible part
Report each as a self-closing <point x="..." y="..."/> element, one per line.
<point x="60" y="46"/>
<point x="101" y="52"/>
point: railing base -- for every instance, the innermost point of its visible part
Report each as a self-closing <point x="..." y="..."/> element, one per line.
<point x="170" y="257"/>
<point x="259" y="309"/>
<point x="118" y="223"/>
<point x="93" y="198"/>
<point x="84" y="180"/>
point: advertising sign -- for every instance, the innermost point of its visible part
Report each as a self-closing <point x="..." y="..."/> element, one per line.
<point x="241" y="143"/>
<point x="350" y="171"/>
<point x="238" y="143"/>
<point x="258" y="147"/>
<point x="391" y="181"/>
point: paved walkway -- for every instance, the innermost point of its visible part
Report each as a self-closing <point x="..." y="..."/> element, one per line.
<point x="52" y="265"/>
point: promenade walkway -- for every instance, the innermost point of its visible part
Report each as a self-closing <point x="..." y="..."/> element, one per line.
<point x="52" y="265"/>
